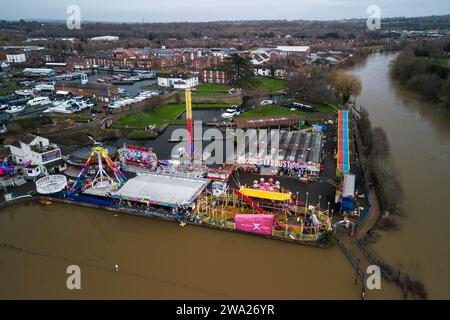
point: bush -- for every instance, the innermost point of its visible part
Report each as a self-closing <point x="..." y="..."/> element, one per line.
<point x="327" y="238"/>
<point x="365" y="130"/>
<point x="387" y="185"/>
<point x="414" y="289"/>
<point x="387" y="223"/>
<point x="380" y="146"/>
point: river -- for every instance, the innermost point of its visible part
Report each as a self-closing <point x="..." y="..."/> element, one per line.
<point x="420" y="143"/>
<point x="159" y="260"/>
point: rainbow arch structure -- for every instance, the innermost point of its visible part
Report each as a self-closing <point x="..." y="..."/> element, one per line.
<point x="101" y="175"/>
<point x="343" y="154"/>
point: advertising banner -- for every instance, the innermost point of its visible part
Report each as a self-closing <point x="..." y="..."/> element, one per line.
<point x="255" y="223"/>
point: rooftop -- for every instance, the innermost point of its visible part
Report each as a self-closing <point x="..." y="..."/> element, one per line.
<point x="167" y="190"/>
<point x="267" y="121"/>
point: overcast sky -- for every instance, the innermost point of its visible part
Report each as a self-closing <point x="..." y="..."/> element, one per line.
<point x="209" y="10"/>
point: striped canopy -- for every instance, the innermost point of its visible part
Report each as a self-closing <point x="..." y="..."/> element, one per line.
<point x="343" y="155"/>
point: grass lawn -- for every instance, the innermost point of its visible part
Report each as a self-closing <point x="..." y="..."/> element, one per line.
<point x="7" y="88"/>
<point x="210" y="105"/>
<point x="442" y="62"/>
<point x="265" y="83"/>
<point x="208" y="93"/>
<point x="27" y="123"/>
<point x="275" y="110"/>
<point x="160" y="117"/>
<point x="212" y="87"/>
<point x="211" y="99"/>
<point x="137" y="134"/>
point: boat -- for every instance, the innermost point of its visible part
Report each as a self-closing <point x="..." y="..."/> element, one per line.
<point x="15" y="109"/>
<point x="24" y="93"/>
<point x="45" y="87"/>
<point x="39" y="101"/>
<point x="45" y="202"/>
<point x="232" y="109"/>
<point x="229" y="115"/>
<point x="122" y="92"/>
<point x="114" y="105"/>
<point x="69" y="106"/>
<point x="122" y="82"/>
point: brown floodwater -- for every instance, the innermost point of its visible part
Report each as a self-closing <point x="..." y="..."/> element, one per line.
<point x="160" y="260"/>
<point x="420" y="142"/>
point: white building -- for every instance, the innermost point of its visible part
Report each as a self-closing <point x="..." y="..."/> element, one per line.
<point x="37" y="155"/>
<point x="265" y="71"/>
<point x="179" y="81"/>
<point x="105" y="38"/>
<point x="16" y="57"/>
<point x="299" y="50"/>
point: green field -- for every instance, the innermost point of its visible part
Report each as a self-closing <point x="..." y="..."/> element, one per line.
<point x="7" y="88"/>
<point x="275" y="110"/>
<point x="139" y="134"/>
<point x="264" y="83"/>
<point x="442" y="62"/>
<point x="161" y="116"/>
<point x="212" y="87"/>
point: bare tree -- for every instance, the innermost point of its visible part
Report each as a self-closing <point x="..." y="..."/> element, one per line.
<point x="345" y="85"/>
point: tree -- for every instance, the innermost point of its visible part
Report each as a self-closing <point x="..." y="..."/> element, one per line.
<point x="311" y="84"/>
<point x="297" y="83"/>
<point x="345" y="85"/>
<point x="239" y="68"/>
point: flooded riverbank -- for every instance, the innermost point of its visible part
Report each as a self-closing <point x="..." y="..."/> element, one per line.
<point x="160" y="260"/>
<point x="420" y="142"/>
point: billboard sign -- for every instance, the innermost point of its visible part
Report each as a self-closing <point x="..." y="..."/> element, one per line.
<point x="255" y="223"/>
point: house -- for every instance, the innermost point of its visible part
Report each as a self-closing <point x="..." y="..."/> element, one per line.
<point x="60" y="67"/>
<point x="280" y="73"/>
<point x="297" y="50"/>
<point x="103" y="92"/>
<point x="4" y="65"/>
<point x="214" y="76"/>
<point x="265" y="71"/>
<point x="15" y="56"/>
<point x="37" y="155"/>
<point x="177" y="81"/>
